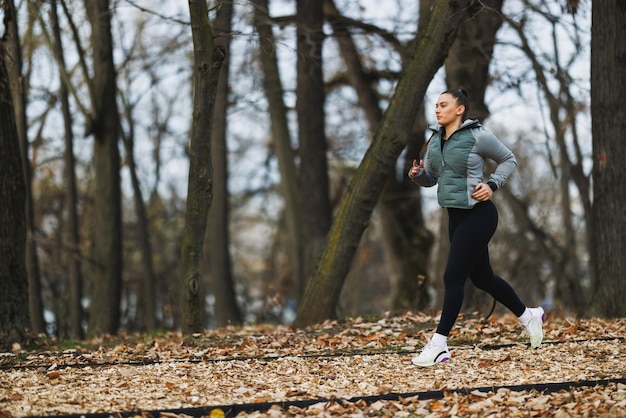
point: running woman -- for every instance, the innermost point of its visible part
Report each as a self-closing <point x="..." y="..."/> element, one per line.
<point x="454" y="159"/>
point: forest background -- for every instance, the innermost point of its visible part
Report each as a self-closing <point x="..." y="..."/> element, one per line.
<point x="105" y="97"/>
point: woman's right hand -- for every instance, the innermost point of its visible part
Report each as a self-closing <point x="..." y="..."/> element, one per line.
<point x="416" y="168"/>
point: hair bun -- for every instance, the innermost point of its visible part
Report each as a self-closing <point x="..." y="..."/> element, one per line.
<point x="463" y="91"/>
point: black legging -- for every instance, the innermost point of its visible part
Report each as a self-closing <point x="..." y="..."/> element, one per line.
<point x="470" y="231"/>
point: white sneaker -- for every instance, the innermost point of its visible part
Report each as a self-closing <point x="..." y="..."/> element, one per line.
<point x="535" y="327"/>
<point x="431" y="355"/>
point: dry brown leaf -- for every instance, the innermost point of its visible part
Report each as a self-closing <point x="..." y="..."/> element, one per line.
<point x="268" y="363"/>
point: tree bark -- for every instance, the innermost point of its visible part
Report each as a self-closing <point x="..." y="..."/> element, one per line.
<point x="104" y="312"/>
<point x="324" y="287"/>
<point x="207" y="62"/>
<point x="314" y="184"/>
<point x="608" y="112"/>
<point x="14" y="319"/>
<point x="218" y="237"/>
<point x="13" y="62"/>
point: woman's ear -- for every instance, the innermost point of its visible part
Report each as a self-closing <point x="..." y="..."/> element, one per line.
<point x="460" y="110"/>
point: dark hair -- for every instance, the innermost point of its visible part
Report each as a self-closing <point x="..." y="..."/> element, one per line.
<point x="461" y="99"/>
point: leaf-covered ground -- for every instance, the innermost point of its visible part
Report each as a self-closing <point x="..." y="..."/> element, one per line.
<point x="349" y="368"/>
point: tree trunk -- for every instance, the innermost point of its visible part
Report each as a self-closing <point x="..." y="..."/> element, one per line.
<point x="218" y="237"/>
<point x="608" y="112"/>
<point x="13" y="62"/>
<point x="104" y="312"/>
<point x="324" y="287"/>
<point x="405" y="240"/>
<point x="14" y="320"/>
<point x="314" y="184"/>
<point x="281" y="138"/>
<point x="72" y="236"/>
<point x="207" y="62"/>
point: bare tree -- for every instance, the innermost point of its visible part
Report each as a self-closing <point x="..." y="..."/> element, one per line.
<point x="207" y="62"/>
<point x="72" y="239"/>
<point x="14" y="320"/>
<point x="148" y="283"/>
<point x="104" y="312"/>
<point x="405" y="240"/>
<point x="353" y="215"/>
<point x="19" y="92"/>
<point x="563" y="114"/>
<point x="218" y="236"/>
<point x="281" y="138"/>
<point x="314" y="184"/>
<point x="608" y="111"/>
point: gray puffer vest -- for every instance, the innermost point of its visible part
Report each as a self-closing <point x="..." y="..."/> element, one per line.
<point x="457" y="166"/>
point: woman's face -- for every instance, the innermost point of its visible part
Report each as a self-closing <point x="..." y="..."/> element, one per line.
<point x="447" y="110"/>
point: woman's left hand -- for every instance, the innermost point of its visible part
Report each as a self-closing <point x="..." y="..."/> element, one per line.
<point x="482" y="192"/>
